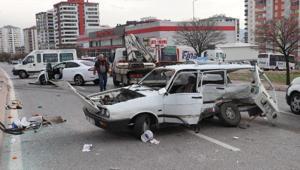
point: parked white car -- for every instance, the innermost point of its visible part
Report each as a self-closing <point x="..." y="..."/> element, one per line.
<point x="293" y="96"/>
<point x="181" y="94"/>
<point x="77" y="71"/>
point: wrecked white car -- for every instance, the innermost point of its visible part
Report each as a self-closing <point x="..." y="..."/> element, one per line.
<point x="181" y="94"/>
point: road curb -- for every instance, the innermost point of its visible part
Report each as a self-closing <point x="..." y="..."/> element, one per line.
<point x="14" y="154"/>
<point x="3" y="101"/>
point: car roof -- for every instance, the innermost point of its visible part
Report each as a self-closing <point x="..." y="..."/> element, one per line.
<point x="77" y="61"/>
<point x="209" y="66"/>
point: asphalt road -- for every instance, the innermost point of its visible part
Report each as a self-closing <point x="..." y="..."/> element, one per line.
<point x="260" y="146"/>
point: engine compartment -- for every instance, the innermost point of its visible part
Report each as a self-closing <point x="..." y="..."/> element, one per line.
<point x="111" y="98"/>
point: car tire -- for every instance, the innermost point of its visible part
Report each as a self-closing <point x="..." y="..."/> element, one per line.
<point x="142" y="123"/>
<point x="295" y="103"/>
<point x="78" y="80"/>
<point x="42" y="80"/>
<point x="229" y="114"/>
<point x="116" y="83"/>
<point x="23" y="74"/>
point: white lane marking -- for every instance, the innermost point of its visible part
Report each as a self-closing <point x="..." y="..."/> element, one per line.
<point x="81" y="88"/>
<point x="15" y="141"/>
<point x="215" y="141"/>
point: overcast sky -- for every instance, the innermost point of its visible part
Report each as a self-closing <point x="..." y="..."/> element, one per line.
<point x="21" y="13"/>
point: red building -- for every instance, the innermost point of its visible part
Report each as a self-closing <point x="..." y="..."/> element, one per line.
<point x="106" y="41"/>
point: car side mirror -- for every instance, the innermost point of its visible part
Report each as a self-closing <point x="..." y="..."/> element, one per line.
<point x="162" y="91"/>
<point x="24" y="62"/>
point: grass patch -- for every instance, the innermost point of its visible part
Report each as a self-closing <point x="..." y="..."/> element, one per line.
<point x="276" y="77"/>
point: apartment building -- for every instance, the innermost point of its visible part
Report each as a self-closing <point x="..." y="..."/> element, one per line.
<point x="30" y="39"/>
<point x="250" y="21"/>
<point x="45" y="30"/>
<point x="264" y="10"/>
<point x="10" y="39"/>
<point x="73" y="19"/>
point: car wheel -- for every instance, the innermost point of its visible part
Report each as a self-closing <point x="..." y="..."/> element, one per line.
<point x="295" y="103"/>
<point x="142" y="123"/>
<point x="42" y="80"/>
<point x="79" y="81"/>
<point x="230" y="114"/>
<point x="116" y="83"/>
<point x="23" y="75"/>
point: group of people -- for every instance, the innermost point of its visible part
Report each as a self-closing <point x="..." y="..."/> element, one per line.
<point x="102" y="68"/>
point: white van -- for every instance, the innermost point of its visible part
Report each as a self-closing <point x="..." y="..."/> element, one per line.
<point x="37" y="60"/>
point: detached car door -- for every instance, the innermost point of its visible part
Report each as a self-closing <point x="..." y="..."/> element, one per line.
<point x="182" y="103"/>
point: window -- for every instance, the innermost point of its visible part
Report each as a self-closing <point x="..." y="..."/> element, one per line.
<point x="65" y="56"/>
<point x="263" y="56"/>
<point x="50" y="58"/>
<point x="158" y="78"/>
<point x="61" y="65"/>
<point x="71" y="65"/>
<point x="169" y="54"/>
<point x="29" y="59"/>
<point x="38" y="58"/>
<point x="185" y="82"/>
<point x="213" y="78"/>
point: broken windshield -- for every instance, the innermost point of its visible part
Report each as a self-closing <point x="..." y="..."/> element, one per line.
<point x="158" y="78"/>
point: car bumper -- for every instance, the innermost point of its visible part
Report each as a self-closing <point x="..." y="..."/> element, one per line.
<point x="287" y="99"/>
<point x="15" y="72"/>
<point x="115" y="125"/>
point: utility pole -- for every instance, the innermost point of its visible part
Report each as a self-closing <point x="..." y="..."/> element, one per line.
<point x="194" y="9"/>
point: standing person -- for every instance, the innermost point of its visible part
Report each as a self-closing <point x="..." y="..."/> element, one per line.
<point x="102" y="67"/>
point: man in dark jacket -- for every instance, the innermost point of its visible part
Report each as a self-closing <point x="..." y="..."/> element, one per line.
<point x="102" y="68"/>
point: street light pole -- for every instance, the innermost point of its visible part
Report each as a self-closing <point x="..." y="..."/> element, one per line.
<point x="194" y="9"/>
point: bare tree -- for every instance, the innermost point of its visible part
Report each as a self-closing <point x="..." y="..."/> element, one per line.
<point x="281" y="36"/>
<point x="199" y="34"/>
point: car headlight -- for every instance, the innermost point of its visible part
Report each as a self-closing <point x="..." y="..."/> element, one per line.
<point x="107" y="114"/>
<point x="104" y="112"/>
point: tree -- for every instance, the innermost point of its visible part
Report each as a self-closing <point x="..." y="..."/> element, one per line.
<point x="199" y="34"/>
<point x="280" y="35"/>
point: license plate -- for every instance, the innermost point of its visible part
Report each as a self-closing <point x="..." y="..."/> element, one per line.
<point x="91" y="120"/>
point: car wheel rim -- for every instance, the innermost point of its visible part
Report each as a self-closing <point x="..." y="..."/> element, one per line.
<point x="23" y="74"/>
<point x="296" y="104"/>
<point x="78" y="81"/>
<point x="230" y="113"/>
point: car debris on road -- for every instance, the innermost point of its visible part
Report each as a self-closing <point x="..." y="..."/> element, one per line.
<point x="87" y="147"/>
<point x="19" y="126"/>
<point x="14" y="104"/>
